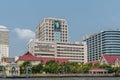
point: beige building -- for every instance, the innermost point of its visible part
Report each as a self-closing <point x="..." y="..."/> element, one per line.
<point x="12" y="69"/>
<point x="52" y="30"/>
<point x="75" y="52"/>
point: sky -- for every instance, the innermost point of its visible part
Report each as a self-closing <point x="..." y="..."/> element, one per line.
<point x="84" y="17"/>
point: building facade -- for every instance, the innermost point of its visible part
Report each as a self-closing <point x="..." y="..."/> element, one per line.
<point x="75" y="52"/>
<point x="105" y="42"/>
<point x="12" y="69"/>
<point x="4" y="42"/>
<point x="52" y="30"/>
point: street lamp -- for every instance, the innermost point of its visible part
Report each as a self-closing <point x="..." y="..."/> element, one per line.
<point x="28" y="68"/>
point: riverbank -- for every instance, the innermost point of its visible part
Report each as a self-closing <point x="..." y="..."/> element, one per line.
<point x="60" y="75"/>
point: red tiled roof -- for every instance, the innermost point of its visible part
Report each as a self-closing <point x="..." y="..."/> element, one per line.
<point x="29" y="57"/>
<point x="93" y="62"/>
<point x="111" y="58"/>
<point x="98" y="69"/>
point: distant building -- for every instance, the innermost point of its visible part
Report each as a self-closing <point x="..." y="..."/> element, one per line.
<point x="102" y="43"/>
<point x="75" y="52"/>
<point x="35" y="60"/>
<point x="111" y="59"/>
<point x="7" y="60"/>
<point x="4" y="42"/>
<point x="12" y="69"/>
<point x="52" y="30"/>
<point x="98" y="71"/>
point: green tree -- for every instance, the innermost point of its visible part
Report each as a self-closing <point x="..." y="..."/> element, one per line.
<point x="37" y="68"/>
<point x="86" y="67"/>
<point x="107" y="67"/>
<point x="23" y="67"/>
<point x="70" y="67"/>
<point x="52" y="67"/>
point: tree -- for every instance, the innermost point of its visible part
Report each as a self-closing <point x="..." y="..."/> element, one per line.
<point x="86" y="67"/>
<point x="37" y="68"/>
<point x="107" y="67"/>
<point x="52" y="67"/>
<point x="23" y="67"/>
<point x="70" y="67"/>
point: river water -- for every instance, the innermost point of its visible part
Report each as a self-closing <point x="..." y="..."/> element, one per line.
<point x="67" y="78"/>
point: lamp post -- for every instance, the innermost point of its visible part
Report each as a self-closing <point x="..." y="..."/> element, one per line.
<point x="28" y="70"/>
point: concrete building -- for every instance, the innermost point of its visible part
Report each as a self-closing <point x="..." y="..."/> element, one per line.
<point x="105" y="42"/>
<point x="12" y="69"/>
<point x="4" y="42"/>
<point x="52" y="30"/>
<point x="75" y="52"/>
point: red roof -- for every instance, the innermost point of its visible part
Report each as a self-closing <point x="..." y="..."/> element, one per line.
<point x="98" y="69"/>
<point x="93" y="62"/>
<point x="111" y="58"/>
<point x="29" y="57"/>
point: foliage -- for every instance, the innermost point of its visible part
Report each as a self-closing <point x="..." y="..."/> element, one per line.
<point x="66" y="67"/>
<point x="116" y="69"/>
<point x="23" y="67"/>
<point x="107" y="67"/>
<point x="86" y="67"/>
<point x="52" y="67"/>
<point x="37" y="69"/>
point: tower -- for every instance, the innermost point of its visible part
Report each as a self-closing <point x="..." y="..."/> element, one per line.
<point x="52" y="30"/>
<point x="4" y="42"/>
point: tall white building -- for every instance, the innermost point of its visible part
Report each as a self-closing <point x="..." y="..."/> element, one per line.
<point x="75" y="52"/>
<point x="4" y="42"/>
<point x="52" y="30"/>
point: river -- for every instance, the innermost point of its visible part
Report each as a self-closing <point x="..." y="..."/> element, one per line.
<point x="67" y="78"/>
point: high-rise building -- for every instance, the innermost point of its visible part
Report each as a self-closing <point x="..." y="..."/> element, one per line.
<point x="4" y="42"/>
<point x="52" y="30"/>
<point x="74" y="52"/>
<point x="105" y="42"/>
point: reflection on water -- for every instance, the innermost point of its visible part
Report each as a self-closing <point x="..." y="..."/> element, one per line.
<point x="67" y="78"/>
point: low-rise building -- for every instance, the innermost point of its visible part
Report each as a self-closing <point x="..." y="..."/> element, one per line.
<point x="12" y="69"/>
<point x="110" y="59"/>
<point x="7" y="60"/>
<point x="98" y="71"/>
<point x="35" y="60"/>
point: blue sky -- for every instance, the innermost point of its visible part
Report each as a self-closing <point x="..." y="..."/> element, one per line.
<point x="84" y="17"/>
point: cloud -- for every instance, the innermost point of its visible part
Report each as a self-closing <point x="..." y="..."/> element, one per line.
<point x="24" y="34"/>
<point x="1" y="26"/>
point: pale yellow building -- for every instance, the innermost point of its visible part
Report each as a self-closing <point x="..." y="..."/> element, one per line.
<point x="75" y="52"/>
<point x="12" y="69"/>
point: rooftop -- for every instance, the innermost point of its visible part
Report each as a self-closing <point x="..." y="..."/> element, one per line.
<point x="111" y="58"/>
<point x="29" y="57"/>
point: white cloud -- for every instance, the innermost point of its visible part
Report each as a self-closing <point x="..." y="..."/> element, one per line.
<point x="24" y="34"/>
<point x="1" y="26"/>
